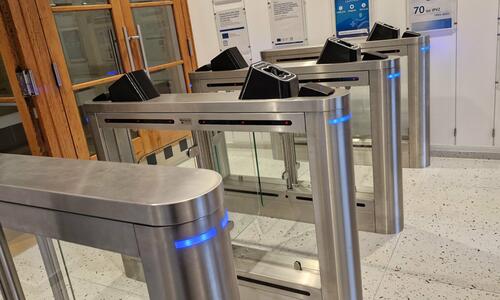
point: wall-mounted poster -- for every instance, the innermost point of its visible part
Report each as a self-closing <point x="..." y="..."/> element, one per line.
<point x="232" y="28"/>
<point x="288" y="24"/>
<point x="430" y="15"/>
<point x="352" y="17"/>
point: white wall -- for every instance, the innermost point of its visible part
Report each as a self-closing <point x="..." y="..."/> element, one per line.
<point x="463" y="64"/>
<point x="476" y="71"/>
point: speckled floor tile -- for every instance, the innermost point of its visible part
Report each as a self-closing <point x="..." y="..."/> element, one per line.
<point x="433" y="256"/>
<point x="301" y="240"/>
<point x="377" y="249"/>
<point x="90" y="290"/>
<point x="398" y="285"/>
<point x="450" y="248"/>
<point x="100" y="267"/>
<point x="265" y="233"/>
<point x="241" y="222"/>
<point x="34" y="281"/>
<point x="371" y="279"/>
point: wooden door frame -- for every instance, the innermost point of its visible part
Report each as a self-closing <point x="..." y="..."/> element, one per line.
<point x="59" y="130"/>
<point x="33" y="29"/>
<point x="10" y="62"/>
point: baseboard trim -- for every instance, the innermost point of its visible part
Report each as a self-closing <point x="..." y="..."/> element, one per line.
<point x="465" y="152"/>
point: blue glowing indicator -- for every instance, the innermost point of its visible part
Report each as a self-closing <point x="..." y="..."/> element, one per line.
<point x="394" y="75"/>
<point x="195" y="240"/>
<point x="425" y="49"/>
<point x="225" y="220"/>
<point x="111" y="73"/>
<point x="340" y="120"/>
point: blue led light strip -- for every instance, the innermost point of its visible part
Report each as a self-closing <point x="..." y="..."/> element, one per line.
<point x="340" y="120"/>
<point x="425" y="49"/>
<point x="195" y="240"/>
<point x="225" y="220"/>
<point x="394" y="75"/>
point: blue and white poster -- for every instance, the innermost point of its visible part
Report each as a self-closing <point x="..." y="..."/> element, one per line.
<point x="232" y="28"/>
<point x="352" y="17"/>
<point x="430" y="15"/>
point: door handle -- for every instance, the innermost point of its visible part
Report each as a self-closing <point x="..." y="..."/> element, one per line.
<point x="129" y="48"/>
<point x="139" y="37"/>
<point x="143" y="50"/>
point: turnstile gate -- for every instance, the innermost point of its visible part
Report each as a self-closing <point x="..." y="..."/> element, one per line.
<point x="376" y="127"/>
<point x="178" y="228"/>
<point x="415" y="103"/>
<point x="331" y="194"/>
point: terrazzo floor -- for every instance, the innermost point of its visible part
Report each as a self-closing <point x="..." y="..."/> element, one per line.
<point x="449" y="249"/>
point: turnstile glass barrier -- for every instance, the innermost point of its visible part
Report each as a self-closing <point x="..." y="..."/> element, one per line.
<point x="414" y="53"/>
<point x="53" y="269"/>
<point x="279" y="232"/>
<point x="359" y="77"/>
<point x="172" y="220"/>
<point x="375" y="99"/>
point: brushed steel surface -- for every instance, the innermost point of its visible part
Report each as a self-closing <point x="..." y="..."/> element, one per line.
<point x="418" y="84"/>
<point x="385" y="125"/>
<point x="10" y="285"/>
<point x="154" y="196"/>
<point x="189" y="121"/>
<point x="222" y="103"/>
<point x="386" y="153"/>
<point x="333" y="186"/>
<point x="47" y="196"/>
<point x="332" y="180"/>
<point x="313" y="51"/>
<point x="52" y="268"/>
<point x="301" y="69"/>
<point x="204" y="272"/>
<point x="94" y="232"/>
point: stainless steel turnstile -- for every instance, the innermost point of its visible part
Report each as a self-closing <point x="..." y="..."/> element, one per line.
<point x="376" y="139"/>
<point x="171" y="218"/>
<point x="416" y="103"/>
<point x="325" y="120"/>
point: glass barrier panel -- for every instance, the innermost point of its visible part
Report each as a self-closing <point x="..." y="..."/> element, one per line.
<point x="12" y="137"/>
<point x="159" y="34"/>
<point x="5" y="90"/>
<point x="99" y="274"/>
<point x="85" y="96"/>
<point x="169" y="80"/>
<point x="87" y="39"/>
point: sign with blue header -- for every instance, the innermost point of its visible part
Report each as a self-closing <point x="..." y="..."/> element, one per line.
<point x="352" y="17"/>
<point x="430" y="15"/>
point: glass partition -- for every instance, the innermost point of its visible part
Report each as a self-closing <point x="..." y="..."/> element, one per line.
<point x="77" y="272"/>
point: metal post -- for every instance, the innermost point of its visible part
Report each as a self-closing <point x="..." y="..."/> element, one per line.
<point x="290" y="160"/>
<point x="11" y="286"/>
<point x="115" y="144"/>
<point x="386" y="151"/>
<point x="202" y="272"/>
<point x="419" y="104"/>
<point x="332" y="180"/>
<point x="203" y="140"/>
<point x="52" y="267"/>
<point x="112" y="144"/>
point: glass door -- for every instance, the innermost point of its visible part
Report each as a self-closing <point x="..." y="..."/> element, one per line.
<point x="17" y="129"/>
<point x="155" y="32"/>
<point x="100" y="40"/>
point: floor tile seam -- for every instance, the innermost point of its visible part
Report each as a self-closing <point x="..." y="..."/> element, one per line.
<point x="386" y="269"/>
<point x="105" y="286"/>
<point x="456" y="241"/>
<point x="432" y="280"/>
